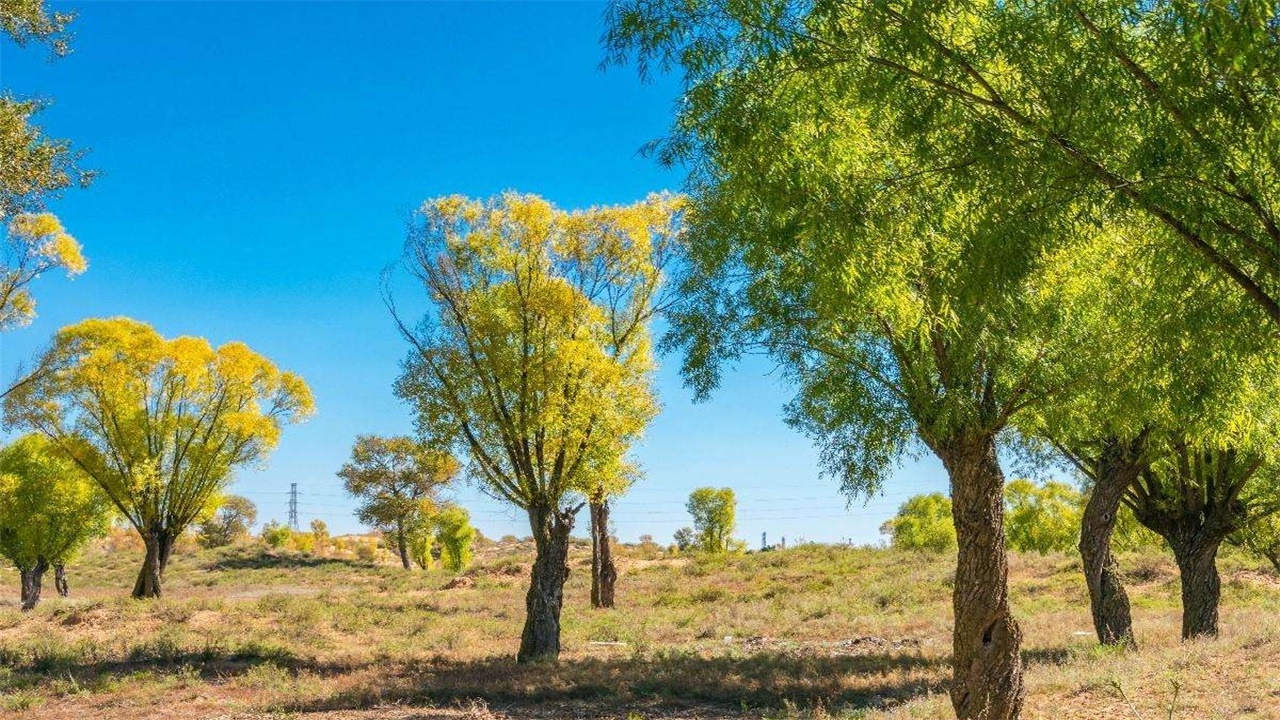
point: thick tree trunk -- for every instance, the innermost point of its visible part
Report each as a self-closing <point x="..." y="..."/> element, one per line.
<point x="986" y="639"/>
<point x="60" y="580"/>
<point x="1108" y="601"/>
<point x="402" y="545"/>
<point x="159" y="544"/>
<point x="540" y="640"/>
<point x="604" y="574"/>
<point x="32" y="581"/>
<point x="1201" y="587"/>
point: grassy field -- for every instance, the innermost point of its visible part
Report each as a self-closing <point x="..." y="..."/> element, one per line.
<point x="809" y="632"/>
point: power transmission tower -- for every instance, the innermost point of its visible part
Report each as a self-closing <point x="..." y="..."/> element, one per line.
<point x="293" y="506"/>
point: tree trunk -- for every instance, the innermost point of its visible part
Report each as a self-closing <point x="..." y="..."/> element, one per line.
<point x="540" y="640"/>
<point x="1108" y="601"/>
<point x="604" y="574"/>
<point x="402" y="545"/>
<point x="32" y="579"/>
<point x="986" y="662"/>
<point x="1201" y="588"/>
<point x="60" y="580"/>
<point x="159" y="544"/>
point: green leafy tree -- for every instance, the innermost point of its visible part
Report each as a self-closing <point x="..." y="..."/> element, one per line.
<point x="517" y="364"/>
<point x="161" y="425"/>
<point x="913" y="308"/>
<point x="232" y="522"/>
<point x="36" y="166"/>
<point x="714" y="512"/>
<point x="398" y="480"/>
<point x="923" y="522"/>
<point x="1042" y="518"/>
<point x="49" y="510"/>
<point x="1260" y="538"/>
<point x="456" y="537"/>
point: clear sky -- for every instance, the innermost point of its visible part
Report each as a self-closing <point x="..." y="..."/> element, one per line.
<point x="259" y="163"/>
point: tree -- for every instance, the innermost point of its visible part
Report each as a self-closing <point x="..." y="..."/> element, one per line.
<point x="455" y="536"/>
<point x="517" y="365"/>
<point x="161" y="425"/>
<point x="231" y="522"/>
<point x="1196" y="496"/>
<point x="320" y="534"/>
<point x="35" y="167"/>
<point x="49" y="510"/>
<point x="399" y="481"/>
<point x="913" y="308"/>
<point x="1186" y="364"/>
<point x="713" y="511"/>
<point x="684" y="539"/>
<point x="1260" y="538"/>
<point x="923" y="522"/>
<point x="1042" y="518"/>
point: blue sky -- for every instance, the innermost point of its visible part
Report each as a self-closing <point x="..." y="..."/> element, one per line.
<point x="260" y="161"/>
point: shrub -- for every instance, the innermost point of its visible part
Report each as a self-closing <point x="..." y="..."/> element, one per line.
<point x="275" y="535"/>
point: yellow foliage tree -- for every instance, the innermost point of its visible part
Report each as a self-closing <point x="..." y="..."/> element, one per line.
<point x="34" y="168"/>
<point x="159" y="424"/>
<point x="522" y="363"/>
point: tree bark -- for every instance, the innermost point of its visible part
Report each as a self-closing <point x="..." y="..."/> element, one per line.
<point x="402" y="545"/>
<point x="60" y="580"/>
<point x="1116" y="470"/>
<point x="32" y="582"/>
<point x="1201" y="587"/>
<point x="604" y="574"/>
<point x="540" y="640"/>
<point x="986" y="640"/>
<point x="159" y="544"/>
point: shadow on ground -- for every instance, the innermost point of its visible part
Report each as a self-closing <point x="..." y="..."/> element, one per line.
<point x="764" y="680"/>
<point x="283" y="561"/>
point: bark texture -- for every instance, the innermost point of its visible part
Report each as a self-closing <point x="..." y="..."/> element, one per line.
<point x="986" y="640"/>
<point x="604" y="574"/>
<point x="1114" y="471"/>
<point x="1201" y="587"/>
<point x="540" y="640"/>
<point x="32" y="579"/>
<point x="159" y="544"/>
<point x="60" y="580"/>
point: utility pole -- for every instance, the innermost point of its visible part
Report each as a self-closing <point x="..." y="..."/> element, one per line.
<point x="293" y="506"/>
<point x="764" y="541"/>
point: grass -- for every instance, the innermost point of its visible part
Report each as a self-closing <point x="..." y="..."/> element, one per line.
<point x="813" y="631"/>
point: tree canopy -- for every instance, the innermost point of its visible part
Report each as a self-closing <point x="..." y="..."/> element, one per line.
<point x="1166" y="108"/>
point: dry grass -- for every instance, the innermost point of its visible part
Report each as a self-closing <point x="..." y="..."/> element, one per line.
<point x="812" y="631"/>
